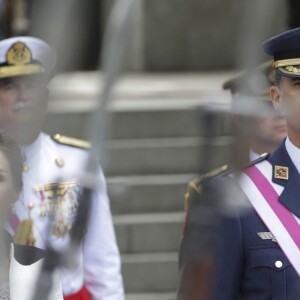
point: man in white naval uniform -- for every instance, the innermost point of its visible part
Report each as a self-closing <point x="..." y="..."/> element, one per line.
<point x="52" y="170"/>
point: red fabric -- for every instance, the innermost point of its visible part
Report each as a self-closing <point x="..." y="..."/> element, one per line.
<point x="82" y="294"/>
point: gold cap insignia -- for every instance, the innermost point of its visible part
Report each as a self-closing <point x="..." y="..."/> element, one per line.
<point x="18" y="54"/>
<point x="281" y="172"/>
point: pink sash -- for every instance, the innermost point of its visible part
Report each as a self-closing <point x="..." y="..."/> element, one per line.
<point x="13" y="221"/>
<point x="256" y="182"/>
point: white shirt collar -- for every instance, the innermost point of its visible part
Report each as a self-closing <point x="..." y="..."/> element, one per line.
<point x="294" y="153"/>
<point x="31" y="150"/>
<point x="253" y="155"/>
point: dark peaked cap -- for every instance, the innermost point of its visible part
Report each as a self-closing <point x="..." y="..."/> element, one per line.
<point x="285" y="49"/>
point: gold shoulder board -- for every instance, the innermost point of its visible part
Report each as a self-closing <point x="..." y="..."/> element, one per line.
<point x="215" y="172"/>
<point x="264" y="154"/>
<point x="69" y="141"/>
<point x="196" y="184"/>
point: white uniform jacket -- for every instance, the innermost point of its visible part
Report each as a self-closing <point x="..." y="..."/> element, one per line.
<point x="48" y="162"/>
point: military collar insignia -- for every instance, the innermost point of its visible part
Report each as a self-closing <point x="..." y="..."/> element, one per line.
<point x="266" y="236"/>
<point x="281" y="172"/>
<point x="18" y="54"/>
<point x="280" y="158"/>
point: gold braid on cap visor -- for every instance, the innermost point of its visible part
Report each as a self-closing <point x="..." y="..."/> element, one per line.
<point x="286" y="62"/>
<point x="9" y="71"/>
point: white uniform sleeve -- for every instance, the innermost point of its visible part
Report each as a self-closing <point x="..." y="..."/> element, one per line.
<point x="102" y="264"/>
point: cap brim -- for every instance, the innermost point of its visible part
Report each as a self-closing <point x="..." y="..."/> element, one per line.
<point x="17" y="70"/>
<point x="41" y="78"/>
<point x="289" y="71"/>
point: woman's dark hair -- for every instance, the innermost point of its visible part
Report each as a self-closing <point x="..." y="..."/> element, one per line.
<point x="11" y="150"/>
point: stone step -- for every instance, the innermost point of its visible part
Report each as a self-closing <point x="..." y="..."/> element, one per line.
<point x="128" y="124"/>
<point x="150" y="273"/>
<point x="143" y="106"/>
<point x="162" y="156"/>
<point x="174" y="121"/>
<point x="148" y="193"/>
<point x="160" y="296"/>
<point x="145" y="233"/>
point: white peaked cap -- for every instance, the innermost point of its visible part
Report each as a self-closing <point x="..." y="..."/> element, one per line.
<point x="25" y="55"/>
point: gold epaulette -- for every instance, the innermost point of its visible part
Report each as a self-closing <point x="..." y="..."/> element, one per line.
<point x="196" y="184"/>
<point x="264" y="155"/>
<point x="215" y="172"/>
<point x="69" y="141"/>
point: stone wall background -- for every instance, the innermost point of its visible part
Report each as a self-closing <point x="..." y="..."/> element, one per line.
<point x="195" y="35"/>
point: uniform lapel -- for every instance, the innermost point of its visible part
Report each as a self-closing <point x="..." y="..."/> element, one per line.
<point x="290" y="195"/>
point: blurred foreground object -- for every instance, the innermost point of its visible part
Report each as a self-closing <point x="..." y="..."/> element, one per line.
<point x="93" y="214"/>
<point x="14" y="15"/>
<point x="251" y="103"/>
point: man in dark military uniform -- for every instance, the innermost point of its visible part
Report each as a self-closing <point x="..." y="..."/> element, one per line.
<point x="258" y="254"/>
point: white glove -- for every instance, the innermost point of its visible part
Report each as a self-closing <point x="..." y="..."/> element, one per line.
<point x="23" y="278"/>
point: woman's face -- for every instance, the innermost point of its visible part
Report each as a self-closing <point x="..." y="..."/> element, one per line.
<point x="8" y="193"/>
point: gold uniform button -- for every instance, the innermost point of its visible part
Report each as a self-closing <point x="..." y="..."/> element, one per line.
<point x="59" y="162"/>
<point x="278" y="264"/>
<point x="25" y="168"/>
<point x="30" y="205"/>
<point x="224" y="168"/>
<point x="57" y="136"/>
